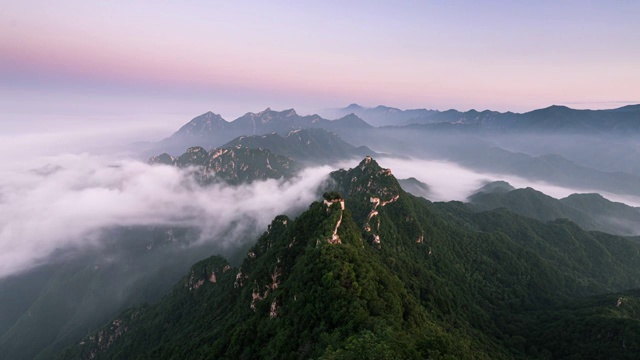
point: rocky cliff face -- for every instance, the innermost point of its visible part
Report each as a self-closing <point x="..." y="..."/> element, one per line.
<point x="309" y="145"/>
<point x="233" y="165"/>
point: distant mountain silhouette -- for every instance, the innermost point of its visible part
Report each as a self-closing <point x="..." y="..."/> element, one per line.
<point x="590" y="211"/>
<point x="553" y="118"/>
<point x="380" y="115"/>
<point x="210" y="130"/>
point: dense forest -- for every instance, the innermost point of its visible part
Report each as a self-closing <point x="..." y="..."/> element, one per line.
<point x="372" y="272"/>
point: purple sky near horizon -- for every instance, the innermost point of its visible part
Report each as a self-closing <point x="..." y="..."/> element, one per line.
<point x="80" y="81"/>
<point x="167" y="62"/>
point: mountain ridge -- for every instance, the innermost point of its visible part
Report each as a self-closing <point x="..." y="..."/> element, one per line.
<point x="204" y="131"/>
<point x="372" y="267"/>
<point x="590" y="211"/>
<point x="232" y="164"/>
<point x="314" y="145"/>
<point x="552" y="118"/>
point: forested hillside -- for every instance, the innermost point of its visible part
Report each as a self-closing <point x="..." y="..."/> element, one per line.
<point x="371" y="271"/>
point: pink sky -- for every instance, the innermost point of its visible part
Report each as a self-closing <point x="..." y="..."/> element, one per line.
<point x="229" y="58"/>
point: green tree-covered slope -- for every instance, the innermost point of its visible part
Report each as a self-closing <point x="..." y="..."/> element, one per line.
<point x="372" y="270"/>
<point x="590" y="211"/>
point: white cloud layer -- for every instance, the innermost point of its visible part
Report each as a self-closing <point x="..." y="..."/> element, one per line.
<point x="63" y="202"/>
<point x="450" y="181"/>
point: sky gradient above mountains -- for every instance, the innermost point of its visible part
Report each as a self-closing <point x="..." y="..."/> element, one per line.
<point x="149" y="57"/>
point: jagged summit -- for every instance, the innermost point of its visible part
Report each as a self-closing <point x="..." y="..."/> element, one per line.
<point x="312" y="145"/>
<point x="203" y="124"/>
<point x="211" y="130"/>
<point x="209" y="116"/>
<point x="234" y="165"/>
<point x="367" y="177"/>
<point x="267" y="115"/>
<point x="378" y="205"/>
<point x="196" y="155"/>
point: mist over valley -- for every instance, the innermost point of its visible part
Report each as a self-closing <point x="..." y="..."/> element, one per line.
<point x="287" y="180"/>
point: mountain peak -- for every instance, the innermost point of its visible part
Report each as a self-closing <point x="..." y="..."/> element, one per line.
<point x="368" y="161"/>
<point x="203" y="125"/>
<point x="194" y="156"/>
<point x="261" y="114"/>
<point x="233" y="164"/>
<point x="310" y="145"/>
<point x="353" y="120"/>
<point x="267" y="115"/>
<point x="354" y="107"/>
<point x="496" y="187"/>
<point x="376" y="200"/>
<point x="368" y="177"/>
<point x="208" y="117"/>
<point x="587" y="196"/>
<point x="209" y="114"/>
<point x="350" y="116"/>
<point x="164" y="159"/>
<point x="556" y="108"/>
<point x="384" y="108"/>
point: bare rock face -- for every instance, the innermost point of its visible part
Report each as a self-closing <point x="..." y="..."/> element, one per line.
<point x="368" y="178"/>
<point x="369" y="191"/>
<point x="233" y="165"/>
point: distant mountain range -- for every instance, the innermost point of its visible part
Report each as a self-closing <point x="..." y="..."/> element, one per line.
<point x="470" y="146"/>
<point x="551" y="119"/>
<point x="380" y="115"/>
<point x="472" y="142"/>
<point x="590" y="211"/>
<point x="210" y="130"/>
<point x="473" y="152"/>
